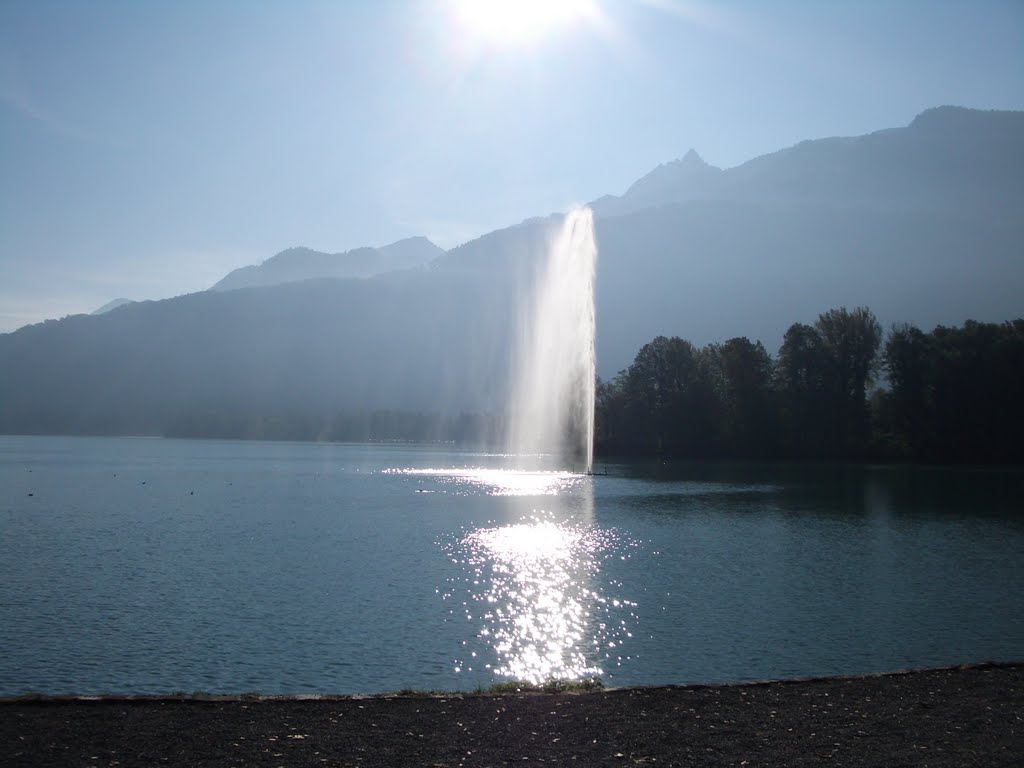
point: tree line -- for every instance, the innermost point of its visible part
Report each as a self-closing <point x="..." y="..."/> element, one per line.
<point x="838" y="390"/>
<point x="949" y="395"/>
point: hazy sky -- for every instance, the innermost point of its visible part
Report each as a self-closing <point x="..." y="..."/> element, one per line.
<point x="147" y="148"/>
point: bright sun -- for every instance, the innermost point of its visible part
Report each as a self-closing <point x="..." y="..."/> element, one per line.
<point x="517" y="22"/>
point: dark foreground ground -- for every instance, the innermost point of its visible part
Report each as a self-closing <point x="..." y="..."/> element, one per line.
<point x="968" y="716"/>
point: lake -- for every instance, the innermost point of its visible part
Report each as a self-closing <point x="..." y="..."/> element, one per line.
<point x="159" y="566"/>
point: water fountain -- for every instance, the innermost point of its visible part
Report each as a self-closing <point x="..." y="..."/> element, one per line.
<point x="553" y="396"/>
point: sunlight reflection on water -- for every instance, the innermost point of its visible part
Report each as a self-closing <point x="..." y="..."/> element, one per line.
<point x="533" y="589"/>
<point x="500" y="482"/>
<point x="532" y="593"/>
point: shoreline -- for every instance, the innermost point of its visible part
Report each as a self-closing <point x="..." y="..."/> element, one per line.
<point x="971" y="714"/>
<point x="599" y="459"/>
<point x="528" y="688"/>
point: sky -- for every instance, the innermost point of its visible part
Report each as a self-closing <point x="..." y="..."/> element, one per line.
<point x="147" y="149"/>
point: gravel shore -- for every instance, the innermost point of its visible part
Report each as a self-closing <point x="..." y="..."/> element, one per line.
<point x="963" y="716"/>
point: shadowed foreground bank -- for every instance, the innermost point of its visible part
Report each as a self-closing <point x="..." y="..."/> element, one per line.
<point x="949" y="717"/>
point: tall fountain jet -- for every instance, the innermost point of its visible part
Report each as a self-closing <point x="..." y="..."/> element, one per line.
<point x="553" y="397"/>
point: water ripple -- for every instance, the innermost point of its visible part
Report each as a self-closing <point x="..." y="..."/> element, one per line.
<point x="534" y="591"/>
<point x="496" y="482"/>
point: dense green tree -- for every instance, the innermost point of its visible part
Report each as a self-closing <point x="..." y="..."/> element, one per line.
<point x="954" y="393"/>
<point x="909" y="362"/>
<point x="742" y="374"/>
<point x="979" y="375"/>
<point x="850" y="341"/>
<point x="800" y="382"/>
<point x="657" y="382"/>
<point x="664" y="403"/>
<point x="609" y="413"/>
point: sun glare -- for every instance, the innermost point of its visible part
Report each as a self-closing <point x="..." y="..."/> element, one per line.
<point x="517" y="22"/>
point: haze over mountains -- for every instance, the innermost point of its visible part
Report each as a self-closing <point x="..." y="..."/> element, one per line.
<point x="304" y="264"/>
<point x="922" y="224"/>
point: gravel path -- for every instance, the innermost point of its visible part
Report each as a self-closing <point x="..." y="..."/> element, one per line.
<point x="965" y="716"/>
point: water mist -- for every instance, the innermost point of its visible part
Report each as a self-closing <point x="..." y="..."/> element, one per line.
<point x="553" y="395"/>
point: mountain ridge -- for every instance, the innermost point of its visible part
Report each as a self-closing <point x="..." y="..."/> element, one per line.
<point x="794" y="234"/>
<point x="690" y="178"/>
<point x="302" y="263"/>
<point x="111" y="305"/>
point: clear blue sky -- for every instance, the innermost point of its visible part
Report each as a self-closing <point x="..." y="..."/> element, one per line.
<point x="147" y="148"/>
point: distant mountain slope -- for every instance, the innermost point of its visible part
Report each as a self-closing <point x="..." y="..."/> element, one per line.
<point x="922" y="224"/>
<point x="312" y="347"/>
<point x="948" y="158"/>
<point x="304" y="264"/>
<point x="687" y="179"/>
<point x="112" y="304"/>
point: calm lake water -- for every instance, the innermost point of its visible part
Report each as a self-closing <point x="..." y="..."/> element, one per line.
<point x="144" y="565"/>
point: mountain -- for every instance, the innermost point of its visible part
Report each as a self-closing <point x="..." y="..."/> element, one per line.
<point x="112" y="304"/>
<point x="919" y="223"/>
<point x="689" y="178"/>
<point x="296" y="264"/>
<point x="947" y="158"/>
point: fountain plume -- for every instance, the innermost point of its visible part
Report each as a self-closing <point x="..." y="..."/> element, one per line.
<point x="553" y="396"/>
